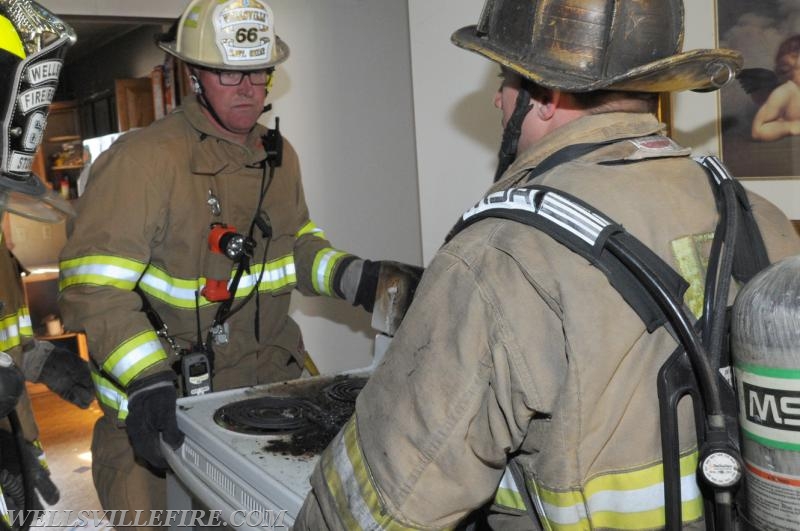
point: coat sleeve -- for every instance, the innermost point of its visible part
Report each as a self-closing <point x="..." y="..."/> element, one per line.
<point x="316" y="260"/>
<point x="104" y="258"/>
<point x="436" y="422"/>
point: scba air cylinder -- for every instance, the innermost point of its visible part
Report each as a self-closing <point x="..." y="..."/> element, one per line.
<point x="765" y="330"/>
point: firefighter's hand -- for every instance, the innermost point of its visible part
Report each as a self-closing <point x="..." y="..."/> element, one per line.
<point x="151" y="416"/>
<point x="61" y="370"/>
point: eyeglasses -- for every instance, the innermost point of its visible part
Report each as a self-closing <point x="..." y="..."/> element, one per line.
<point x="231" y="78"/>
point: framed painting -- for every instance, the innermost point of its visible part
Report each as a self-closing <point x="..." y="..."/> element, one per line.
<point x="760" y="113"/>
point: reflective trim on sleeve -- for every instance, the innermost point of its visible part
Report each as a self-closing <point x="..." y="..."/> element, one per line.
<point x="134" y="356"/>
<point x="350" y="484"/>
<point x="507" y="493"/>
<point x="625" y="500"/>
<point x="180" y="293"/>
<point x="322" y="270"/>
<point x="177" y="292"/>
<point x="311" y="228"/>
<point x="100" y="270"/>
<point x="110" y="395"/>
<point x="14" y="327"/>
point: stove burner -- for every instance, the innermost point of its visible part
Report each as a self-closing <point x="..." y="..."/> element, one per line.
<point x="345" y="390"/>
<point x="266" y="415"/>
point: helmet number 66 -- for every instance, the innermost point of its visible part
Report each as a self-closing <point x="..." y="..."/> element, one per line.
<point x="244" y="34"/>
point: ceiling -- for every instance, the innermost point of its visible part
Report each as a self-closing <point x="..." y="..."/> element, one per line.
<point x="94" y="33"/>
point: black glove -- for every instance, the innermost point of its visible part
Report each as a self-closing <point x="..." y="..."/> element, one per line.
<point x="61" y="370"/>
<point x="151" y="414"/>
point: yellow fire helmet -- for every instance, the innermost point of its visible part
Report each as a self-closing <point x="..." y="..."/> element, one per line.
<point x="228" y="35"/>
<point x="597" y="44"/>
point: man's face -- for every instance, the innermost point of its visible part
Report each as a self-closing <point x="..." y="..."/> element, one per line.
<point x="238" y="106"/>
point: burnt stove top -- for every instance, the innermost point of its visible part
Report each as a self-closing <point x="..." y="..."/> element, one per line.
<point x="310" y="415"/>
<point x="254" y="448"/>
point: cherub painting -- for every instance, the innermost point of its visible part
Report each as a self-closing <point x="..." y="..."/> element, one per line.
<point x="761" y="114"/>
<point x="777" y="93"/>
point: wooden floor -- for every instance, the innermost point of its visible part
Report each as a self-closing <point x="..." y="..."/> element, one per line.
<point x="66" y="435"/>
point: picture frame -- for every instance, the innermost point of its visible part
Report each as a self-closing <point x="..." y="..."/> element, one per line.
<point x="760" y="112"/>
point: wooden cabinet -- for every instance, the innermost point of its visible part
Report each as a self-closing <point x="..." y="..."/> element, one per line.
<point x="63" y="129"/>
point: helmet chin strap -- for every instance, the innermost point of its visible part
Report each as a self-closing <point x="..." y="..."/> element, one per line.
<point x="512" y="132"/>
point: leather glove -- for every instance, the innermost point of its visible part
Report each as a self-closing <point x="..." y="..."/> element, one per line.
<point x="151" y="416"/>
<point x="61" y="370"/>
<point x="362" y="280"/>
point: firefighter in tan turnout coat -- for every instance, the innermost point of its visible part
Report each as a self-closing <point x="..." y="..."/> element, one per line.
<point x="515" y="347"/>
<point x="167" y="217"/>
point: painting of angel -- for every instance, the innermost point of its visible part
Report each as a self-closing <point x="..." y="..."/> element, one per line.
<point x="760" y="126"/>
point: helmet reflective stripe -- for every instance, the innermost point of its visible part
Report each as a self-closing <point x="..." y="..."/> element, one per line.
<point x="110" y="395"/>
<point x="322" y="270"/>
<point x="13" y="327"/>
<point x="507" y="493"/>
<point x="9" y="38"/>
<point x="311" y="228"/>
<point x="628" y="500"/>
<point x="357" y="501"/>
<point x="100" y="270"/>
<point x="135" y="355"/>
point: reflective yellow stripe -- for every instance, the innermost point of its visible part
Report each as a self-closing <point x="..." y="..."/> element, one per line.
<point x="322" y="270"/>
<point x="14" y="327"/>
<point x="507" y="493"/>
<point x="100" y="270"/>
<point x="110" y="395"/>
<point x="625" y="500"/>
<point x="311" y="228"/>
<point x="357" y="500"/>
<point x="9" y="39"/>
<point x="133" y="356"/>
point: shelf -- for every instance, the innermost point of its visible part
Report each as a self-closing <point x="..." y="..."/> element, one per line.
<point x="63" y="139"/>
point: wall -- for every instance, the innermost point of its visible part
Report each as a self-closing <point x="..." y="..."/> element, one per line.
<point x="344" y="99"/>
<point x="458" y="130"/>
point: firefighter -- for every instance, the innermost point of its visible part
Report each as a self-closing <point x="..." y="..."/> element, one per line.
<point x="190" y="238"/>
<point x="32" y="45"/>
<point x="518" y="363"/>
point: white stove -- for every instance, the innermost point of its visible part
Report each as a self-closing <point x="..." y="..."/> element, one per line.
<point x="250" y="451"/>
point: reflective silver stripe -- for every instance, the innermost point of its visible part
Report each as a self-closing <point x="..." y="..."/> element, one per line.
<point x="572" y="217"/>
<point x="110" y="271"/>
<point x="166" y="289"/>
<point x="323" y="270"/>
<point x="108" y="394"/>
<point x="508" y="494"/>
<point x="356" y="504"/>
<point x="134" y="356"/>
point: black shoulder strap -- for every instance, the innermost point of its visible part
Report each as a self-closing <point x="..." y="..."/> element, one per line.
<point x="585" y="231"/>
<point x="746" y="264"/>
